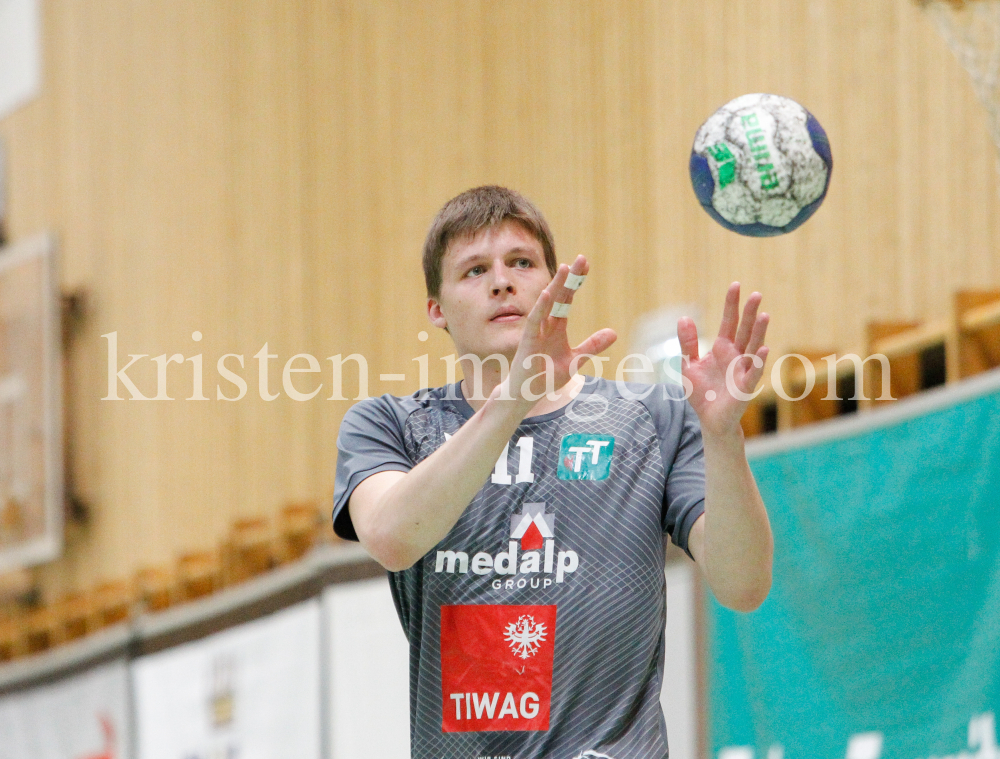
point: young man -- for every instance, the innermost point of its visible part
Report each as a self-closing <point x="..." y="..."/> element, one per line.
<point x="534" y="604"/>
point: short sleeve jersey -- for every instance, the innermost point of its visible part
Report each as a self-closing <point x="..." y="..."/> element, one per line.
<point x="536" y="625"/>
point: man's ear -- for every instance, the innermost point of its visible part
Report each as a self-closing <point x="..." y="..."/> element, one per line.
<point x="435" y="314"/>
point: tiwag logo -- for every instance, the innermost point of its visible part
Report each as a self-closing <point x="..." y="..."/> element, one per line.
<point x="525" y="636"/>
<point x="531" y="555"/>
<point x="496" y="667"/>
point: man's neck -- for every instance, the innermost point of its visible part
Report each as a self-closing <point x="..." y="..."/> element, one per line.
<point x="545" y="405"/>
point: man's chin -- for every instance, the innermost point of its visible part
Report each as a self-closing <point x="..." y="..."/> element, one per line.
<point x="489" y="353"/>
<point x="502" y="340"/>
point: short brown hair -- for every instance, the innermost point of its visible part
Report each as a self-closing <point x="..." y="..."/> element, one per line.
<point x="473" y="211"/>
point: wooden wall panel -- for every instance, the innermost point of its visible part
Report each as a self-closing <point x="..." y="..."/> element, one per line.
<point x="265" y="172"/>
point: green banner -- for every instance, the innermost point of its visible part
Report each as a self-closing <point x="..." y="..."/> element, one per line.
<point x="881" y="635"/>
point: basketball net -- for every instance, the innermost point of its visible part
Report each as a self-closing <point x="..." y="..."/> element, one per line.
<point x="972" y="31"/>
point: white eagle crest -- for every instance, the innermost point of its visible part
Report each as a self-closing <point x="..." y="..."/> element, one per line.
<point x="525" y="636"/>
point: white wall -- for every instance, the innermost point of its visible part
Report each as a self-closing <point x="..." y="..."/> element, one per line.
<point x="252" y="692"/>
<point x="84" y="715"/>
<point x="679" y="695"/>
<point x="369" y="673"/>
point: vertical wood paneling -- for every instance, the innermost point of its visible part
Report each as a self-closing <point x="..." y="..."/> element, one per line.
<point x="265" y="172"/>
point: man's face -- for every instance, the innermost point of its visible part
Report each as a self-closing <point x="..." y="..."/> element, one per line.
<point x="489" y="283"/>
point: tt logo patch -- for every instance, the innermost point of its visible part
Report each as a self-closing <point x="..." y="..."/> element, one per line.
<point x="586" y="457"/>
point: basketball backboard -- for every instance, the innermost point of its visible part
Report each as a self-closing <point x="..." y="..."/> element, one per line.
<point x="31" y="463"/>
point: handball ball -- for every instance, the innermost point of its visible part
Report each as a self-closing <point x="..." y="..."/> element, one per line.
<point x="760" y="165"/>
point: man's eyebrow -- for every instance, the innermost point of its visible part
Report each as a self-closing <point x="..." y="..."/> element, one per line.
<point x="469" y="258"/>
<point x="464" y="260"/>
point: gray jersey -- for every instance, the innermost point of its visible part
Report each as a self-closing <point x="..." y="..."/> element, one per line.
<point x="536" y="625"/>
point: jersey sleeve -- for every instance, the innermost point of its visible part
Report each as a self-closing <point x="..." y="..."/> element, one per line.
<point x="684" y="457"/>
<point x="685" y="497"/>
<point x="370" y="441"/>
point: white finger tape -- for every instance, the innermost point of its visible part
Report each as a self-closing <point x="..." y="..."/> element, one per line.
<point x="574" y="281"/>
<point x="560" y="310"/>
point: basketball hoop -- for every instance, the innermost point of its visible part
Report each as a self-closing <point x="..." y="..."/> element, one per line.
<point x="972" y="30"/>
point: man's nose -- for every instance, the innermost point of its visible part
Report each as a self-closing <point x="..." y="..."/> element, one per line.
<point x="501" y="281"/>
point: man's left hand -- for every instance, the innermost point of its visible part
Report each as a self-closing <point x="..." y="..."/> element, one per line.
<point x="740" y="344"/>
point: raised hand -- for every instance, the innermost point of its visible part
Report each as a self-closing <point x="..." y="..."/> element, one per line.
<point x="740" y="345"/>
<point x="544" y="360"/>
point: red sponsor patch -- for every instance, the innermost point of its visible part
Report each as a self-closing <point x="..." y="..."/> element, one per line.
<point x="496" y="667"/>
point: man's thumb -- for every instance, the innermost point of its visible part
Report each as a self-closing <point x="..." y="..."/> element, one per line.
<point x="687" y="336"/>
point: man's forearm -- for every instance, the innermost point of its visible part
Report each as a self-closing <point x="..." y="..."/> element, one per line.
<point x="738" y="545"/>
<point x="418" y="510"/>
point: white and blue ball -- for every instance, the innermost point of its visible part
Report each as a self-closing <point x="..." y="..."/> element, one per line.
<point x="761" y="165"/>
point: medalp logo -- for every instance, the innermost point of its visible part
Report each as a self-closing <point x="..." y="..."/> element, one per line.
<point x="585" y="457"/>
<point x="532" y="526"/>
<point x="530" y="560"/>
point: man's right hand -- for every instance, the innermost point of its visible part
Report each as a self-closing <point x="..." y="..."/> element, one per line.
<point x="531" y="375"/>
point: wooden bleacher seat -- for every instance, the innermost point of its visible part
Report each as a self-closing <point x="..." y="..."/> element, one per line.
<point x="911" y="349"/>
<point x="198" y="575"/>
<point x="977" y="320"/>
<point x="74" y="613"/>
<point x="769" y="411"/>
<point x="111" y="603"/>
<point x="15" y="586"/>
<point x="761" y="415"/>
<point x="249" y="550"/>
<point x="298" y="526"/>
<point x="813" y="407"/>
<point x="9" y="640"/>
<point x="155" y="588"/>
<point x="40" y="630"/>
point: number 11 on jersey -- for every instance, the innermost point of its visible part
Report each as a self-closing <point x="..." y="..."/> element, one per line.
<point x="525" y="447"/>
<point x="524" y="474"/>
